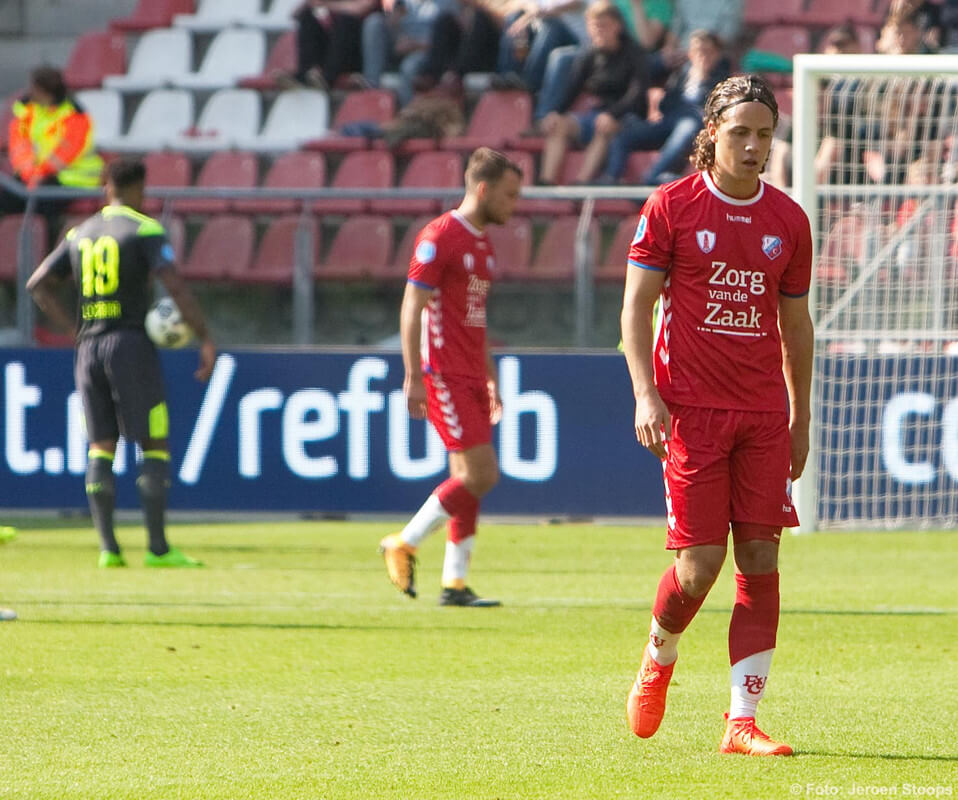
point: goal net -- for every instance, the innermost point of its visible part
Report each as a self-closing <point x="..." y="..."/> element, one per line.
<point x="875" y="164"/>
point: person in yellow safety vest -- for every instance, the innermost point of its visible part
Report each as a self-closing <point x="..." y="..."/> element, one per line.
<point x="50" y="139"/>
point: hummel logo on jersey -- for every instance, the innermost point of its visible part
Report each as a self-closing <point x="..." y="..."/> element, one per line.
<point x="738" y="218"/>
<point x="706" y="240"/>
<point x="754" y="684"/>
<point x="772" y="246"/>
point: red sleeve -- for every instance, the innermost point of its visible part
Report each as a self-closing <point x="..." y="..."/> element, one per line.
<point x="797" y="277"/>
<point x="652" y="244"/>
<point x="426" y="264"/>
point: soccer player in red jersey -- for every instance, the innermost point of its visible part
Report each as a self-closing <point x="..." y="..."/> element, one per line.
<point x="450" y="374"/>
<point x="722" y="394"/>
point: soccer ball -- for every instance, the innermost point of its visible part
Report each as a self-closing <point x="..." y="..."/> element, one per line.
<point x="166" y="326"/>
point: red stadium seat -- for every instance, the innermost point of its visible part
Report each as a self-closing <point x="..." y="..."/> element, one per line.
<point x="224" y="246"/>
<point x="609" y="207"/>
<point x="369" y="169"/>
<point x="497" y="118"/>
<point x="426" y="170"/>
<point x="614" y="262"/>
<point x="536" y="206"/>
<point x="785" y="40"/>
<point x="165" y="169"/>
<point x="362" y="246"/>
<point x="400" y="265"/>
<point x="10" y="226"/>
<point x="281" y="58"/>
<point x="373" y="105"/>
<point x="639" y="162"/>
<point x="93" y="56"/>
<point x="275" y="260"/>
<point x="826" y="13"/>
<point x="153" y="14"/>
<point x="555" y="256"/>
<point x="759" y="13"/>
<point x="232" y="169"/>
<point x="295" y="170"/>
<point x="512" y="244"/>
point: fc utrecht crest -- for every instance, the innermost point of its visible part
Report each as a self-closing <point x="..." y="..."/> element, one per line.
<point x="706" y="240"/>
<point x="772" y="246"/>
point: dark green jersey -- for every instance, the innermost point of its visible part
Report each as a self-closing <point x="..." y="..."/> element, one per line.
<point x="112" y="256"/>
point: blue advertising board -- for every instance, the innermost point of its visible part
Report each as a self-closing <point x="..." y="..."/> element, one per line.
<point x="328" y="432"/>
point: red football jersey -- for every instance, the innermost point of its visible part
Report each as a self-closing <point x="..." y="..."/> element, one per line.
<point x="456" y="261"/>
<point x="727" y="260"/>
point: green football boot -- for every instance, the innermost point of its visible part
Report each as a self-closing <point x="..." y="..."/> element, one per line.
<point x="108" y="559"/>
<point x="171" y="558"/>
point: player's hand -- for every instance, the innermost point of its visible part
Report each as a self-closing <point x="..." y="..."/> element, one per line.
<point x="495" y="403"/>
<point x="415" y="391"/>
<point x="207" y="360"/>
<point x="653" y="423"/>
<point x="798" y="431"/>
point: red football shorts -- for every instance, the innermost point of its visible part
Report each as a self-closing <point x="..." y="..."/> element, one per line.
<point x="723" y="467"/>
<point x="459" y="409"/>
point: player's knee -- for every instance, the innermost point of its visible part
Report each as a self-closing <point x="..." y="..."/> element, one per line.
<point x="152" y="485"/>
<point x="480" y="481"/>
<point x="697" y="571"/>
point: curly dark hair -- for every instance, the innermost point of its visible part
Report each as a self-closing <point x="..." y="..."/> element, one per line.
<point x="729" y="93"/>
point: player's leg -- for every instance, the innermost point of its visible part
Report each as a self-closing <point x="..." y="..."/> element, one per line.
<point x="760" y="507"/>
<point x="697" y="500"/>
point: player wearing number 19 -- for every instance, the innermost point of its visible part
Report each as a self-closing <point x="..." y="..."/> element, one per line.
<point x="113" y="257"/>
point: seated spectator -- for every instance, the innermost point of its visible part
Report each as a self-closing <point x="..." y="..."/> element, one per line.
<point x="927" y="18"/>
<point x="531" y="34"/>
<point x="614" y="71"/>
<point x="398" y="37"/>
<point x="678" y="120"/>
<point x="50" y="141"/>
<point x="901" y="35"/>
<point x="328" y="39"/>
<point x="724" y="18"/>
<point x="949" y="26"/>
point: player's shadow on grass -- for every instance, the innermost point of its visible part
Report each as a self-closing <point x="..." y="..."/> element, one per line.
<point x="885" y="756"/>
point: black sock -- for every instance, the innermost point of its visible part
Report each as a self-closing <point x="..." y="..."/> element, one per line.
<point x="101" y="494"/>
<point x="152" y="484"/>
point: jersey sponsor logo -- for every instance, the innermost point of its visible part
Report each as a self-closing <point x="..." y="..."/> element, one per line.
<point x="705" y="239"/>
<point x="772" y="246"/>
<point x="640" y="229"/>
<point x="754" y="684"/>
<point x="750" y="280"/>
<point x="425" y="252"/>
<point x="740" y="322"/>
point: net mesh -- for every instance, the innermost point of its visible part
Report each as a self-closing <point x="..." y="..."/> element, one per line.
<point x="886" y="399"/>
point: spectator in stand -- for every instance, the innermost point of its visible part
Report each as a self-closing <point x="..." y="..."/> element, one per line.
<point x="927" y="18"/>
<point x="328" y="41"/>
<point x="398" y="37"/>
<point x="724" y="18"/>
<point x="949" y="26"/>
<point x="902" y="35"/>
<point x="614" y="70"/>
<point x="673" y="127"/>
<point x="50" y="142"/>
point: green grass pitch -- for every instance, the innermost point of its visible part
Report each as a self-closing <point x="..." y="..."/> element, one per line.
<point x="290" y="668"/>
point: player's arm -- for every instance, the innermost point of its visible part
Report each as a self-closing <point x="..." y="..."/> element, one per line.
<point x="652" y="422"/>
<point x="798" y="349"/>
<point x="492" y="380"/>
<point x="43" y="285"/>
<point x="410" y="333"/>
<point x="177" y="289"/>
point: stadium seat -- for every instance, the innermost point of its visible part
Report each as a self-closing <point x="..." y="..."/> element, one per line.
<point x="164" y="169"/>
<point x="497" y="118"/>
<point x="229" y="116"/>
<point x="536" y="207"/>
<point x="224" y="245"/>
<point x="555" y="255"/>
<point x="826" y="13"/>
<point x="295" y="170"/>
<point x="10" y="226"/>
<point x="153" y="14"/>
<point x="278" y="17"/>
<point x="275" y="260"/>
<point x="215" y="15"/>
<point x="296" y="117"/>
<point x="105" y="107"/>
<point x="362" y="246"/>
<point x="605" y="207"/>
<point x="759" y="13"/>
<point x="512" y="244"/>
<point x="437" y="169"/>
<point x="616" y="256"/>
<point x="399" y="268"/>
<point x="160" y="57"/>
<point x="234" y="54"/>
<point x="785" y="40"/>
<point x="374" y="105"/>
<point x="225" y="169"/>
<point x="94" y="56"/>
<point x="281" y="58"/>
<point x="368" y="169"/>
<point x="161" y="116"/>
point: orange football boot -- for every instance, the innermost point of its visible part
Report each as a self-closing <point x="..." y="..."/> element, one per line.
<point x="743" y="736"/>
<point x="400" y="561"/>
<point x="646" y="704"/>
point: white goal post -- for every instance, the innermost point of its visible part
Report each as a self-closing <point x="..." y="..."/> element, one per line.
<point x="875" y="164"/>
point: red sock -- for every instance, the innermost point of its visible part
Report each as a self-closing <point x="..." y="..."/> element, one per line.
<point x="673" y="608"/>
<point x="754" y="622"/>
<point x="462" y="506"/>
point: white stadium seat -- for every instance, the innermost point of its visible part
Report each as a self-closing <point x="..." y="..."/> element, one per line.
<point x="160" y="57"/>
<point x="234" y="53"/>
<point x="214" y="15"/>
<point x="105" y="107"/>
<point x="229" y="116"/>
<point x="296" y="117"/>
<point x="278" y="18"/>
<point x="162" y="116"/>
